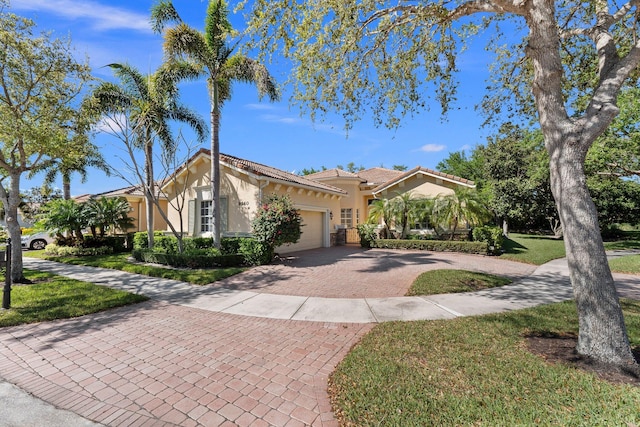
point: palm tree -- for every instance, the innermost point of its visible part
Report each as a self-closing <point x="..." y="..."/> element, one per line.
<point x="403" y="210"/>
<point x="65" y="217"/>
<point x="209" y="51"/>
<point x="381" y="210"/>
<point x="463" y="205"/>
<point x="150" y="102"/>
<point x="82" y="153"/>
<point x="108" y="214"/>
<point x="76" y="162"/>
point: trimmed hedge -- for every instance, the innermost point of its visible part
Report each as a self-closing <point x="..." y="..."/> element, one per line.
<point x="188" y="261"/>
<point x="433" y="245"/>
<point x="53" y="249"/>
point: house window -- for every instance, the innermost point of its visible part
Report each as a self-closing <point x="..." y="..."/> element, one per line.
<point x="346" y="218"/>
<point x="206" y="215"/>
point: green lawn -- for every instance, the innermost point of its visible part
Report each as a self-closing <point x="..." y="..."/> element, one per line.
<point x="477" y="371"/>
<point x="627" y="264"/>
<point x="120" y="262"/>
<point x="451" y="281"/>
<point x="53" y="297"/>
<point x="532" y="249"/>
<point x="538" y="250"/>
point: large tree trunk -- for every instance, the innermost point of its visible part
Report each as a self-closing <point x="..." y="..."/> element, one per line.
<point x="215" y="167"/>
<point x="602" y="332"/>
<point x="11" y="202"/>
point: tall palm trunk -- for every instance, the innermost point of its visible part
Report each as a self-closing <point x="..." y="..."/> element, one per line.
<point x="215" y="165"/>
<point x="66" y="186"/>
<point x="148" y="192"/>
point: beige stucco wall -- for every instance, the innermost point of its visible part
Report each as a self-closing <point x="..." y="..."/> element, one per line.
<point x="420" y="185"/>
<point x="243" y="193"/>
<point x="139" y="214"/>
<point x="354" y="200"/>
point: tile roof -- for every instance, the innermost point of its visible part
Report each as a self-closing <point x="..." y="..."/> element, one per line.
<point x="333" y="173"/>
<point x="379" y="175"/>
<point x="274" y="173"/>
<point x="133" y="190"/>
<point x="267" y="172"/>
<point x="427" y="171"/>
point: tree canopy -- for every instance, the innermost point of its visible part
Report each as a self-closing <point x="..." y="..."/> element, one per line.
<point x="40" y="86"/>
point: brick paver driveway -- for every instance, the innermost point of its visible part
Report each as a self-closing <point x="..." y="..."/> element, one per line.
<point x="157" y="364"/>
<point x="350" y="272"/>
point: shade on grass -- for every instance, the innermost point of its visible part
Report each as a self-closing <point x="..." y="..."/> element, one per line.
<point x="532" y="249"/>
<point x="477" y="371"/>
<point x="54" y="297"/>
<point x="451" y="281"/>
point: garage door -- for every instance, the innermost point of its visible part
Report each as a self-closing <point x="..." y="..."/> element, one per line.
<point x="312" y="233"/>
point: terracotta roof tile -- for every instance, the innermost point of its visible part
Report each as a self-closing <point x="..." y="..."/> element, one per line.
<point x="379" y="175"/>
<point x="332" y="173"/>
<point x="268" y="172"/>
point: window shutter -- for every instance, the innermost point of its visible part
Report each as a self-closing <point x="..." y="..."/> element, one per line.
<point x="191" y="218"/>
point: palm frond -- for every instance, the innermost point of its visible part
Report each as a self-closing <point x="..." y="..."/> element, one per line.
<point x="183" y="40"/>
<point x="193" y="119"/>
<point x="248" y="70"/>
<point x="163" y="13"/>
<point x="133" y="80"/>
<point x="217" y="26"/>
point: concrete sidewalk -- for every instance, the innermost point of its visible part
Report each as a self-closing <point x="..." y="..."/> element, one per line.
<point x="548" y="283"/>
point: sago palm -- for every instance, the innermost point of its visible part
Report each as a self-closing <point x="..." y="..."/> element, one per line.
<point x="209" y="50"/>
<point x="150" y="103"/>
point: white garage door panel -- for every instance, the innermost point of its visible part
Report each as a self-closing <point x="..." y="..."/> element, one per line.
<point x="312" y="230"/>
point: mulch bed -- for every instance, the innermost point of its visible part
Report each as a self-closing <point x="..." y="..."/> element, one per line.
<point x="562" y="349"/>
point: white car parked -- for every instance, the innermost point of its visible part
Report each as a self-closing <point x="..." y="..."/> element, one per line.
<point x="36" y="241"/>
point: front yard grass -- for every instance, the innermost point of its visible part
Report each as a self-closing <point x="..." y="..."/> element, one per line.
<point x="532" y="249"/>
<point x="477" y="371"/>
<point x="121" y="262"/>
<point x="538" y="250"/>
<point x="53" y="297"/>
<point x="451" y="281"/>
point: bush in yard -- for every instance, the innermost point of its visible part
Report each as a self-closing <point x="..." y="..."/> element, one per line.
<point x="433" y="245"/>
<point x="492" y="236"/>
<point x="53" y="249"/>
<point x="256" y="252"/>
<point x="140" y="239"/>
<point x="367" y="233"/>
<point x="276" y="223"/>
<point x="231" y="245"/>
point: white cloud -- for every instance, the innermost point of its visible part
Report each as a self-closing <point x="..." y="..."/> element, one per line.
<point x="274" y="118"/>
<point x="433" y="148"/>
<point x="102" y="17"/>
<point x="263" y="107"/>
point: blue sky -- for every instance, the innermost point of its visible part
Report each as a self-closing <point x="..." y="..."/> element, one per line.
<point x="271" y="133"/>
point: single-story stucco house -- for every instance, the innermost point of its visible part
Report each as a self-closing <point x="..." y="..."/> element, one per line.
<point x="328" y="201"/>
